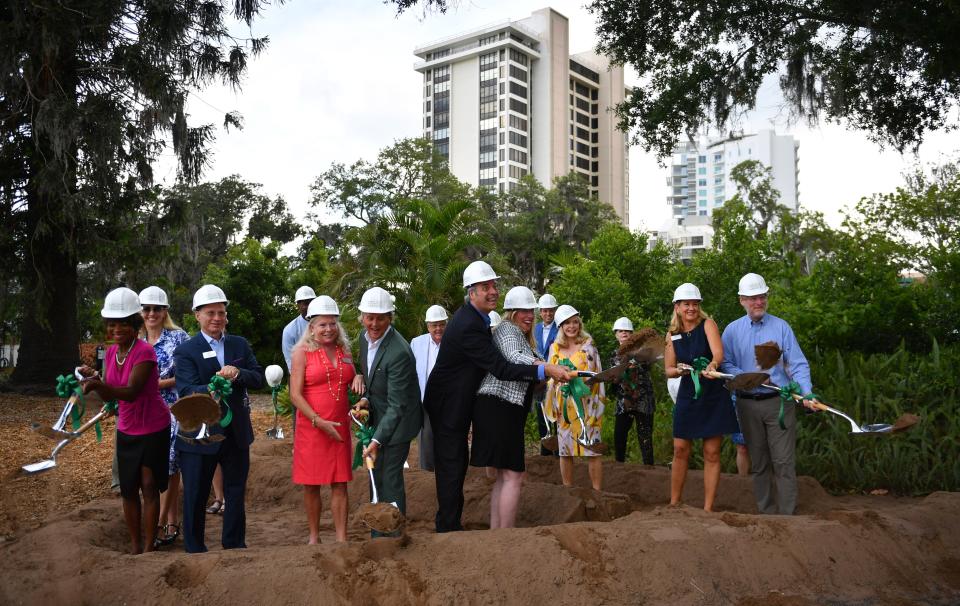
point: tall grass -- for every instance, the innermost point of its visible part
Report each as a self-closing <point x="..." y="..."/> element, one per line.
<point x="874" y="388"/>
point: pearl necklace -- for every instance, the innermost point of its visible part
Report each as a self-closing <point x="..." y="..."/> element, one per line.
<point x="326" y="368"/>
<point x="116" y="355"/>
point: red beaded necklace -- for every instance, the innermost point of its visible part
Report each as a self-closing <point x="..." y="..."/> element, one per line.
<point x="326" y="368"/>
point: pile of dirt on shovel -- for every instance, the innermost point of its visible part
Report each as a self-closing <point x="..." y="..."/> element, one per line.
<point x="623" y="545"/>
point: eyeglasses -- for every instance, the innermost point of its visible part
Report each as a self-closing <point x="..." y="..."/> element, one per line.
<point x="153" y="308"/>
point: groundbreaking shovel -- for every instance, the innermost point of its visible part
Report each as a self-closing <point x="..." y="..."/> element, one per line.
<point x="752" y="380"/>
<point x="548" y="441"/>
<point x="274" y="376"/>
<point x="69" y="437"/>
<point x="597" y="445"/>
<point x="385" y="518"/>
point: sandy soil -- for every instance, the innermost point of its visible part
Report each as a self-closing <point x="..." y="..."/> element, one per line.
<point x="64" y="542"/>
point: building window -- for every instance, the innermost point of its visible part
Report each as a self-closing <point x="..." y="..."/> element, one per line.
<point x="518" y="106"/>
<point x="518" y="156"/>
<point x="702" y="193"/>
<point x="441" y="133"/>
<point x="581" y="104"/>
<point x="518" y="57"/>
<point x="518" y="90"/>
<point x="701" y="159"/>
<point x="518" y="139"/>
<point x="586" y="72"/>
<point x="581" y="89"/>
<point x="518" y="123"/>
<point x="702" y="182"/>
<point x="702" y="170"/>
<point x="583" y="163"/>
<point x="518" y="72"/>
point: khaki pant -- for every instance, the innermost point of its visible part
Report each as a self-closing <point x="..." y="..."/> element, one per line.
<point x="772" y="453"/>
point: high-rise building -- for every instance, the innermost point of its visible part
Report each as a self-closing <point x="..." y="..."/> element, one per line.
<point x="507" y="100"/>
<point x="699" y="181"/>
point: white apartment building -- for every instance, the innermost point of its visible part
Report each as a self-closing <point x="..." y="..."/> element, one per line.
<point x="699" y="181"/>
<point x="508" y="99"/>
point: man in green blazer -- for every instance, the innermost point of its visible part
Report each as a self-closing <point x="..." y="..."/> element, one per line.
<point x="390" y="380"/>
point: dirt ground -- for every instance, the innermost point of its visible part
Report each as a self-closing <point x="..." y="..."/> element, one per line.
<point x="63" y="541"/>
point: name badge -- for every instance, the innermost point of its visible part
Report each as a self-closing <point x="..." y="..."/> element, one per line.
<point x="675" y="337"/>
<point x="348" y="360"/>
<point x="209" y="354"/>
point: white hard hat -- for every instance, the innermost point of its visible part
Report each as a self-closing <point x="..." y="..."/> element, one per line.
<point x="154" y="295"/>
<point x="478" y="271"/>
<point x="435" y="313"/>
<point x="623" y="323"/>
<point x="207" y="294"/>
<point x="120" y="303"/>
<point x="752" y="284"/>
<point x="322" y="306"/>
<point x="687" y="292"/>
<point x="520" y="297"/>
<point x="495" y="319"/>
<point x="547" y="301"/>
<point x="376" y="301"/>
<point x="304" y="293"/>
<point x="274" y="375"/>
<point x="564" y="313"/>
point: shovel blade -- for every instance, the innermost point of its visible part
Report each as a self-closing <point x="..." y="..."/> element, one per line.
<point x="874" y="429"/>
<point x="39" y="467"/>
<point x="49" y="432"/>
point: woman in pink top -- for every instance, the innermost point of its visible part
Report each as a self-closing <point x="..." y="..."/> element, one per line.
<point x="143" y="419"/>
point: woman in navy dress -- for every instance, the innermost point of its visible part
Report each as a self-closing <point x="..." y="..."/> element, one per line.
<point x="706" y="415"/>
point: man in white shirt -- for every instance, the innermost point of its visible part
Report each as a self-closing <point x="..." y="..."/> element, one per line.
<point x="543" y="334"/>
<point x="425" y="349"/>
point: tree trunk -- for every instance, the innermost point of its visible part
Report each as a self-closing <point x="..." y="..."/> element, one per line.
<point x="49" y="333"/>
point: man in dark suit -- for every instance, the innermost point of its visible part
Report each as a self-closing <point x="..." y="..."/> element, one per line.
<point x="214" y="353"/>
<point x="389" y="373"/>
<point x="467" y="353"/>
<point x="544" y="333"/>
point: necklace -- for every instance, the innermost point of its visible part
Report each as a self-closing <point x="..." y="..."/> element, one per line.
<point x="326" y="368"/>
<point x="116" y="356"/>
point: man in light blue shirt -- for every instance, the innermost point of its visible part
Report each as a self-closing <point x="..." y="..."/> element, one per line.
<point x="772" y="448"/>
<point x="297" y="326"/>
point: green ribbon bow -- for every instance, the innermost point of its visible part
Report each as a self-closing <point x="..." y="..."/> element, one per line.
<point x="574" y="389"/>
<point x="68" y="386"/>
<point x="220" y="388"/>
<point x="114" y="408"/>
<point x="364" y="437"/>
<point x="699" y="365"/>
<point x="786" y="394"/>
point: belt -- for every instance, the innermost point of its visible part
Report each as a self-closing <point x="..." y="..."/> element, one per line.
<point x="756" y="396"/>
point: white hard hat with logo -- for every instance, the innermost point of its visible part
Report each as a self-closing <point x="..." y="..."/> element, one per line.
<point x="623" y="323"/>
<point x="752" y="284"/>
<point x="120" y="303"/>
<point x="478" y="271"/>
<point x="564" y="313"/>
<point x="520" y="297"/>
<point x="436" y="313"/>
<point x="687" y="292"/>
<point x="322" y="306"/>
<point x="495" y="319"/>
<point x="547" y="301"/>
<point x="376" y="301"/>
<point x="207" y="294"/>
<point x="154" y="295"/>
<point x="304" y="293"/>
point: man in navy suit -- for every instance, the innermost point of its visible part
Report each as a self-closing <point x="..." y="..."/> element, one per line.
<point x="544" y="333"/>
<point x="467" y="354"/>
<point x="214" y="353"/>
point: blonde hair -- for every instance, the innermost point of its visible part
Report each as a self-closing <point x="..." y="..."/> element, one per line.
<point x="582" y="338"/>
<point x="676" y="326"/>
<point x="310" y="344"/>
<point x="508" y="317"/>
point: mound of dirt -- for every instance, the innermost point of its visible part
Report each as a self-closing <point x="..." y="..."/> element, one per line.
<point x="573" y="545"/>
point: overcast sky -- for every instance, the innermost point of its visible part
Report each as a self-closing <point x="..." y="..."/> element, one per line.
<point x="337" y="84"/>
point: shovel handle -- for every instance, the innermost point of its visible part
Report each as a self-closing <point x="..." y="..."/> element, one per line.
<point x="369" y="461"/>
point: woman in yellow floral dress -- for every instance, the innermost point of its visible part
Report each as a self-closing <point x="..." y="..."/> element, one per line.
<point x="575" y="344"/>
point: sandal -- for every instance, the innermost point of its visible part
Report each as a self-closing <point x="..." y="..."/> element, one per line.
<point x="215" y="507"/>
<point x="166" y="537"/>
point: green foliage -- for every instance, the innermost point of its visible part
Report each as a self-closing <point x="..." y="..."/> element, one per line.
<point x="254" y="278"/>
<point x="889" y="70"/>
<point x="878" y="389"/>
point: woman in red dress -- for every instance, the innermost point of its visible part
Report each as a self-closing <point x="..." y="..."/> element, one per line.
<point x="322" y="371"/>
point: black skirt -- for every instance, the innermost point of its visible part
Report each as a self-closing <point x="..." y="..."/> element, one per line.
<point x="498" y="438"/>
<point x="150" y="450"/>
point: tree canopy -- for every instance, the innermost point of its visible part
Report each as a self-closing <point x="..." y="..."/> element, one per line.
<point x="889" y="68"/>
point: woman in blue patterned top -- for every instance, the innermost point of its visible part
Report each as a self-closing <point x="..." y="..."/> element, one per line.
<point x="160" y="331"/>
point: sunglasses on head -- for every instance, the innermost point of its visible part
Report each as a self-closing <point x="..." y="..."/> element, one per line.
<point x="149" y="308"/>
